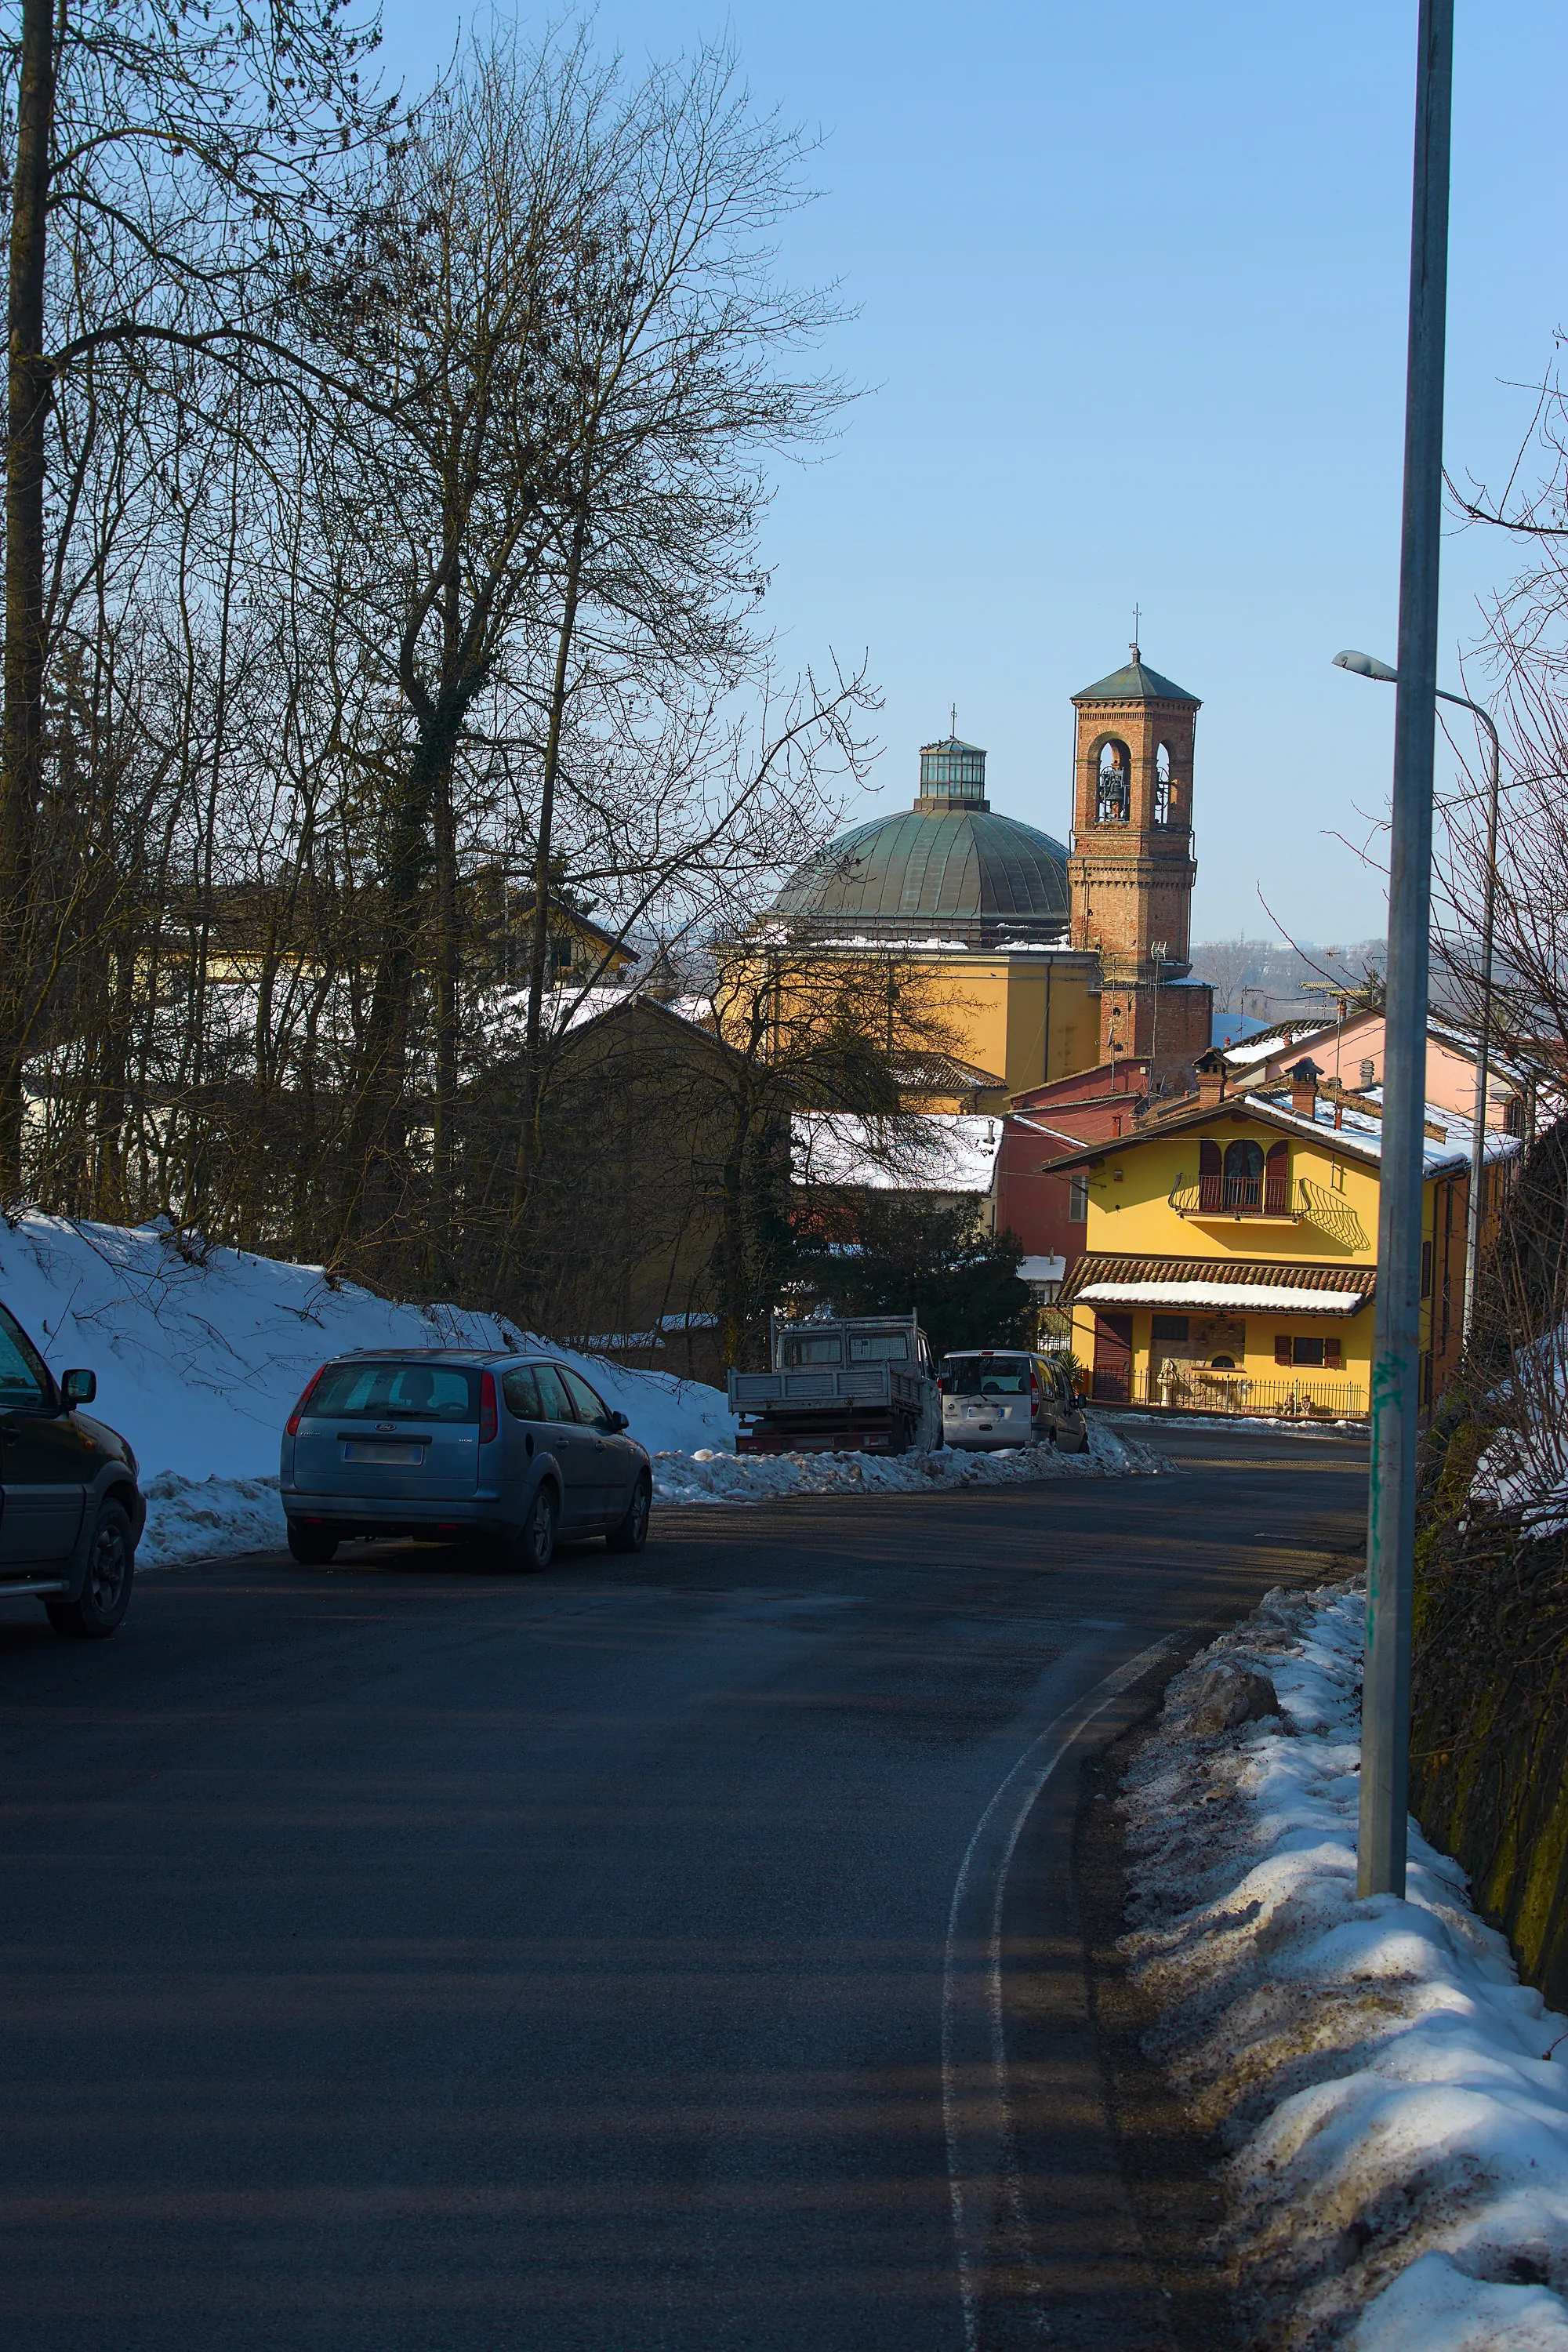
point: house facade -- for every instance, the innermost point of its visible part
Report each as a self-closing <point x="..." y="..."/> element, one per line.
<point x="1231" y="1252"/>
<point x="1351" y="1053"/>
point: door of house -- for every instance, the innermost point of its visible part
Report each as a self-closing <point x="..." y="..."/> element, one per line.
<point x="1113" y="1359"/>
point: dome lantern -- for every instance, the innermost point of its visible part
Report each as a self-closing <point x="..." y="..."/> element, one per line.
<point x="952" y="777"/>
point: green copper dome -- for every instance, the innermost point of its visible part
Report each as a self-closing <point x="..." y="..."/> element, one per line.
<point x="965" y="874"/>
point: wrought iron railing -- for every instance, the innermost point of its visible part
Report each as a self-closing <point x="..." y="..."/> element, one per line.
<point x="1237" y="1196"/>
<point x="1264" y="1196"/>
<point x="1302" y="1395"/>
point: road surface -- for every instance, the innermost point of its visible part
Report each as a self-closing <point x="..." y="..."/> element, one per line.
<point x="670" y="1954"/>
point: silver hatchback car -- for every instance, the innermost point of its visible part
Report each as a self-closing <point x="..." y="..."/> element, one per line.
<point x="510" y="1451"/>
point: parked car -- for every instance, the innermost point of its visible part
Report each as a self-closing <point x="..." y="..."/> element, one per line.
<point x="71" y="1511"/>
<point x="508" y="1451"/>
<point x="993" y="1397"/>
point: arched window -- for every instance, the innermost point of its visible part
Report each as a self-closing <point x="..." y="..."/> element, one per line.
<point x="1113" y="794"/>
<point x="1162" y="785"/>
<point x="1243" y="1174"/>
<point x="1277" y="1179"/>
<point x="1211" y="1178"/>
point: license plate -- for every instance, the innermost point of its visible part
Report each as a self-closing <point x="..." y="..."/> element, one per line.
<point x="365" y="1449"/>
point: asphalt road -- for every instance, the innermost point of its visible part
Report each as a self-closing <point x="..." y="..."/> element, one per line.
<point x="666" y="1954"/>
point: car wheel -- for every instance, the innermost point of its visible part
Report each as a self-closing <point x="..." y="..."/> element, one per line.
<point x="312" y="1547"/>
<point x="531" y="1546"/>
<point x="630" y="1530"/>
<point x="106" y="1595"/>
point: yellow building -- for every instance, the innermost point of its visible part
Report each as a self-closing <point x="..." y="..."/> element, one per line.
<point x="1231" y="1258"/>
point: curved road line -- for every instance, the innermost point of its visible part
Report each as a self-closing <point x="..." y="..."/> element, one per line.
<point x="974" y="2195"/>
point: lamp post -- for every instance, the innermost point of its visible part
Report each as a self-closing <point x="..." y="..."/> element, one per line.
<point x="1391" y="1503"/>
<point x="1367" y="666"/>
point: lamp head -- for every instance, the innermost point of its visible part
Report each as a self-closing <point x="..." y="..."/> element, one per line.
<point x="1367" y="666"/>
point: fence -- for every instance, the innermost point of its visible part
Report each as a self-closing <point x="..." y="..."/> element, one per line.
<point x="1203" y="1388"/>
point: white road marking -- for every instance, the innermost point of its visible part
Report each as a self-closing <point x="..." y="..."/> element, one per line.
<point x="975" y="2198"/>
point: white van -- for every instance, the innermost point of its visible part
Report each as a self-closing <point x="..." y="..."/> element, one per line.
<point x="993" y="1397"/>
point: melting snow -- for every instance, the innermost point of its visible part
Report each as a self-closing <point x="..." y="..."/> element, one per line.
<point x="199" y="1362"/>
<point x="1394" y="2103"/>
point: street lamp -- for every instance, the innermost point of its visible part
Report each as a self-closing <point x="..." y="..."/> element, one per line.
<point x="1382" y="1835"/>
<point x="1368" y="665"/>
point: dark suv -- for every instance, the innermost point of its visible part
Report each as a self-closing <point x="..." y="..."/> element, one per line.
<point x="71" y="1512"/>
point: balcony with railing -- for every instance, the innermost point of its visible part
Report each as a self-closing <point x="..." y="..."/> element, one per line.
<point x="1271" y="1197"/>
<point x="1239" y="1196"/>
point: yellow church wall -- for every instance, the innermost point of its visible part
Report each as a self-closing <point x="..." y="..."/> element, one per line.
<point x="1027" y="1017"/>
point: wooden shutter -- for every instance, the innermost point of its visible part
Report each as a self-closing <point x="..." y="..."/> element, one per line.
<point x="1331" y="1352"/>
<point x="1281" y="1349"/>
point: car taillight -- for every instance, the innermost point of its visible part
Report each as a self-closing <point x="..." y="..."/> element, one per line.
<point x="487" y="1422"/>
<point x="1034" y="1384"/>
<point x="291" y="1426"/>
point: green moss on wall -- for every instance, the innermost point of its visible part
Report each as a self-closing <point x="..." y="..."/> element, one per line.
<point x="1489" y="1706"/>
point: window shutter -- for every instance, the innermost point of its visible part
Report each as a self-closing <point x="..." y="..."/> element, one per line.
<point x="1331" y="1352"/>
<point x="1281" y="1349"/>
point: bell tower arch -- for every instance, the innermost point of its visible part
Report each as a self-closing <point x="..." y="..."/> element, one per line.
<point x="1131" y="871"/>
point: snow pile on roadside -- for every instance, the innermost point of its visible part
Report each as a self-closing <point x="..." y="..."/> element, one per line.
<point x="1281" y="1425"/>
<point x="209" y="1519"/>
<point x="1393" y="2102"/>
<point x="707" y="1476"/>
<point x="200" y="1360"/>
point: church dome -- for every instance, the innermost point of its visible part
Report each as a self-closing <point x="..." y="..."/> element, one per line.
<point x="949" y="868"/>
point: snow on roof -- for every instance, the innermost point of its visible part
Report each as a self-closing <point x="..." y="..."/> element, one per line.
<point x="1042" y="1269"/>
<point x="1255" y="1298"/>
<point x="1270" y="1041"/>
<point x="940" y="1151"/>
<point x="1032" y="1119"/>
<point x="1363" y="1129"/>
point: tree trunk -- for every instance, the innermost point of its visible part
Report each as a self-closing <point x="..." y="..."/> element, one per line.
<point x="440" y="1234"/>
<point x="539" y="954"/>
<point x="28" y="414"/>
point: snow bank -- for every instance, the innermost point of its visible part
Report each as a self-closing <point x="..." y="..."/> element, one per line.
<point x="199" y="1361"/>
<point x="1394" y="2103"/>
<point x="707" y="1476"/>
<point x="1283" y="1426"/>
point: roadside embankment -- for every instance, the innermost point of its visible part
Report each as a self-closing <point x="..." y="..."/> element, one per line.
<point x="1393" y="2103"/>
<point x="200" y="1354"/>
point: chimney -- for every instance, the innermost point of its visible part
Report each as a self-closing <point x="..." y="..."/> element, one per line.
<point x="1304" y="1088"/>
<point x="1210" y="1070"/>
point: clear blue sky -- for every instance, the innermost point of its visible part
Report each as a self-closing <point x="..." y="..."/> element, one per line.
<point x="1132" y="283"/>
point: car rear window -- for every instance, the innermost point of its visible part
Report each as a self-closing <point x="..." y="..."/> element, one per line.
<point x="987" y="1376"/>
<point x="393" y="1391"/>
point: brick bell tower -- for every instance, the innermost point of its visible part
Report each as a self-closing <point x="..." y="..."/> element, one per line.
<point x="1132" y="872"/>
